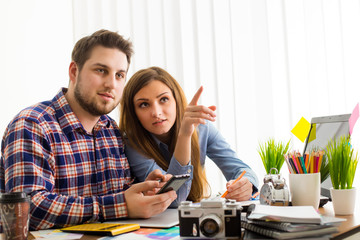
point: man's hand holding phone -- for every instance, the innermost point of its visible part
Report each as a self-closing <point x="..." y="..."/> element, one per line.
<point x="174" y="183"/>
<point x="142" y="200"/>
<point x="167" y="182"/>
<point x="157" y="175"/>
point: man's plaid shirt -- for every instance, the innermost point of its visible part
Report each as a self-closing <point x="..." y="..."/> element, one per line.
<point x="73" y="176"/>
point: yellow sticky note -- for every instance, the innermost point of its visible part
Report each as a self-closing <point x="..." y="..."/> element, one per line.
<point x="312" y="133"/>
<point x="301" y="129"/>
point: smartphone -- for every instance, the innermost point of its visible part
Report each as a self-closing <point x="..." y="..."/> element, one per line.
<point x="174" y="183"/>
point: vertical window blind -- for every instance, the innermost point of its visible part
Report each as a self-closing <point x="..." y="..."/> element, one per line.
<point x="263" y="63"/>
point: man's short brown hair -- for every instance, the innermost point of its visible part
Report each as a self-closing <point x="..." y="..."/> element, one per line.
<point x="82" y="49"/>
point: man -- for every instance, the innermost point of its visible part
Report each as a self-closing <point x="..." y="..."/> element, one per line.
<point x="68" y="155"/>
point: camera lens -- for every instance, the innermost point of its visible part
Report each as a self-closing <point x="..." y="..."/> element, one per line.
<point x="209" y="228"/>
<point x="210" y="225"/>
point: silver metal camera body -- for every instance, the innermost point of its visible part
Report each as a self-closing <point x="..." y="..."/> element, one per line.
<point x="212" y="218"/>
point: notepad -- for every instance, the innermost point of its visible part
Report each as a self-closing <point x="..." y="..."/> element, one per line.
<point x="109" y="229"/>
<point x="292" y="227"/>
<point x="292" y="214"/>
<point x="288" y="235"/>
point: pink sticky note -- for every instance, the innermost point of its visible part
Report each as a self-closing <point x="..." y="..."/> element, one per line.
<point x="353" y="118"/>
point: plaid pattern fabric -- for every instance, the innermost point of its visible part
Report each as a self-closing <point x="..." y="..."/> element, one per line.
<point x="72" y="176"/>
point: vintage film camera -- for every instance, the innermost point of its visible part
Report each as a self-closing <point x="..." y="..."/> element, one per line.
<point x="212" y="218"/>
<point x="274" y="191"/>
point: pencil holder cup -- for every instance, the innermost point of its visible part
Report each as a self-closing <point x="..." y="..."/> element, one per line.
<point x="305" y="189"/>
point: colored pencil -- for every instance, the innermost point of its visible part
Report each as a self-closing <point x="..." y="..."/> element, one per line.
<point x="288" y="164"/>
<point x="320" y="160"/>
<point x="303" y="164"/>
<point x="295" y="163"/>
<point x="306" y="160"/>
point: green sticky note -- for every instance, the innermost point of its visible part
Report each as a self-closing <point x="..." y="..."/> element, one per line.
<point x="312" y="133"/>
<point x="301" y="129"/>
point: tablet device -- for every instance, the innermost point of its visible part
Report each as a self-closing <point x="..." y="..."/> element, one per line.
<point x="174" y="183"/>
<point x="325" y="129"/>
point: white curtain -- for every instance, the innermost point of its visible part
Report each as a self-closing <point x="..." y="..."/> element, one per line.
<point x="263" y="63"/>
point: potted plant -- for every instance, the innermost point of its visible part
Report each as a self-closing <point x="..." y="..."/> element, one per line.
<point x="342" y="162"/>
<point x="272" y="154"/>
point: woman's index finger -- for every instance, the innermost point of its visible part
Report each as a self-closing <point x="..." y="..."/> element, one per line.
<point x="196" y="97"/>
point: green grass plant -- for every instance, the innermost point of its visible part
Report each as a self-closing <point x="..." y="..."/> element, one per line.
<point x="272" y="154"/>
<point x="342" y="163"/>
<point x="324" y="168"/>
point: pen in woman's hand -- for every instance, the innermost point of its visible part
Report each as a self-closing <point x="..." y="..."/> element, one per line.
<point x="241" y="175"/>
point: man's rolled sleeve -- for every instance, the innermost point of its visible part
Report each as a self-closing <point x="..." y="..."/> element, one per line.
<point x="113" y="206"/>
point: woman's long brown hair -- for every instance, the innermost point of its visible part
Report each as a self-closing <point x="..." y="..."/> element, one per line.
<point x="141" y="140"/>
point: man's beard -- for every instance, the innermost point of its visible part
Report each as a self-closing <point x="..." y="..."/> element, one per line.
<point x="88" y="105"/>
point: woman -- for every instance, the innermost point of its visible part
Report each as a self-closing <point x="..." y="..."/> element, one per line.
<point x="159" y="129"/>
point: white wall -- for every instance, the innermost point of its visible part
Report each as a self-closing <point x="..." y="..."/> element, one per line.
<point x="264" y="63"/>
<point x="35" y="46"/>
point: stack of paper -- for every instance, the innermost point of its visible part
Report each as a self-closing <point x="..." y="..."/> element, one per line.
<point x="289" y="222"/>
<point x="293" y="214"/>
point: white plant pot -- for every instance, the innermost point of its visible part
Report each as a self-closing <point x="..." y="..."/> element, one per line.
<point x="343" y="200"/>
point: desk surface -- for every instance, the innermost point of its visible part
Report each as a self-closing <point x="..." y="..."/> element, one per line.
<point x="347" y="228"/>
